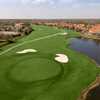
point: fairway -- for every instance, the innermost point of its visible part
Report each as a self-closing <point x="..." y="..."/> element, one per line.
<point x="37" y="75"/>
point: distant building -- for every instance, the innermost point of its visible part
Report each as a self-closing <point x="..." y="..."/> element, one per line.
<point x="95" y="29"/>
<point x="18" y="26"/>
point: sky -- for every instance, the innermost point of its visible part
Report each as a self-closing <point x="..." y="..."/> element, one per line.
<point x="49" y="9"/>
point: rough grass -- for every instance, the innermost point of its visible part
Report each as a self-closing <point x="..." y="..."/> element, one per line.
<point x="36" y="76"/>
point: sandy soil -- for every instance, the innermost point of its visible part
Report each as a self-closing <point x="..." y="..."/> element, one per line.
<point x="27" y="51"/>
<point x="62" y="58"/>
<point x="63" y="33"/>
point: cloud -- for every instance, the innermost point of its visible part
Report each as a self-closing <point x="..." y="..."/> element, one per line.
<point x="37" y="1"/>
<point x="49" y="2"/>
<point x="49" y="8"/>
<point x="62" y="2"/>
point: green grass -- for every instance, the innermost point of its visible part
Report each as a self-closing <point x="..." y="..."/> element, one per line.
<point x="36" y="76"/>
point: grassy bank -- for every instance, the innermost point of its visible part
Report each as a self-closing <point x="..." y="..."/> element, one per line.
<point x="37" y="76"/>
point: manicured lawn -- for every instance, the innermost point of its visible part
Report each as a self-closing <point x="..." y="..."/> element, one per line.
<point x="37" y="76"/>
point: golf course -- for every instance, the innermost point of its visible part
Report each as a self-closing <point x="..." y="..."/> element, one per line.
<point x="31" y="68"/>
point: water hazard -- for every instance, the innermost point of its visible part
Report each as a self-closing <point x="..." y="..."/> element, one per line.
<point x="89" y="47"/>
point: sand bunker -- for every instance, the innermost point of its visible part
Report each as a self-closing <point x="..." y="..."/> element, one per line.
<point x="62" y="58"/>
<point x="27" y="51"/>
<point x="63" y="33"/>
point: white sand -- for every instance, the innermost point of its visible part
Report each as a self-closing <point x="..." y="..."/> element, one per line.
<point x="27" y="51"/>
<point x="63" y="33"/>
<point x="62" y="58"/>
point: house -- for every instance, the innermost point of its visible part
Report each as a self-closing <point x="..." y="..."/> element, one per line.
<point x="95" y="29"/>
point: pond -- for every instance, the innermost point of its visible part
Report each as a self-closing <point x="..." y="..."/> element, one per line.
<point x="87" y="46"/>
<point x="94" y="94"/>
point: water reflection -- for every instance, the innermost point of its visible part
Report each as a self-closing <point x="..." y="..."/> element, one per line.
<point x="88" y="47"/>
<point x="94" y="94"/>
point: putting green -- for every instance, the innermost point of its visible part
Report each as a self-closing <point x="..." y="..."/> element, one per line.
<point x="35" y="69"/>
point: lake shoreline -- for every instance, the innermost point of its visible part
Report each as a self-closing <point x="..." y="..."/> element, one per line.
<point x="86" y="93"/>
<point x="94" y="37"/>
<point x="87" y="47"/>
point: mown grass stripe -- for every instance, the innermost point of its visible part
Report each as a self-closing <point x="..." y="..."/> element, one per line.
<point x="40" y="38"/>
